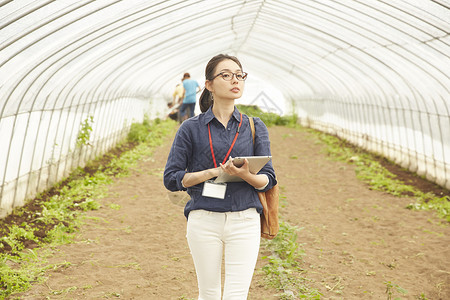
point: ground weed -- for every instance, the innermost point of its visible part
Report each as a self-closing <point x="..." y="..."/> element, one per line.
<point x="370" y="171"/>
<point x="61" y="212"/>
<point x="283" y="271"/>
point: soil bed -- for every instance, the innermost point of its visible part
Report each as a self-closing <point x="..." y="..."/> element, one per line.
<point x="359" y="243"/>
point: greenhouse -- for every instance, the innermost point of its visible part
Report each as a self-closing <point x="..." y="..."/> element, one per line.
<point x="75" y="75"/>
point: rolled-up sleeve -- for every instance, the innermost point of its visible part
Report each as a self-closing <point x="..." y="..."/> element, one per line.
<point x="177" y="162"/>
<point x="262" y="148"/>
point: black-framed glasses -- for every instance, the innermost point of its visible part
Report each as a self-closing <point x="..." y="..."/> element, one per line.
<point x="241" y="76"/>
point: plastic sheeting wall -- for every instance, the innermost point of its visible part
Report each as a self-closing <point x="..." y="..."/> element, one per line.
<point x="375" y="72"/>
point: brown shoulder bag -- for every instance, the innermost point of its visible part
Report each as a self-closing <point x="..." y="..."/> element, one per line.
<point x="269" y="201"/>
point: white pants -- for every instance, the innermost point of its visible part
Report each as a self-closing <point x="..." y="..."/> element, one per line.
<point x="208" y="233"/>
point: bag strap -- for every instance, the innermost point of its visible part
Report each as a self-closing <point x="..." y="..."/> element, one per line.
<point x="252" y="126"/>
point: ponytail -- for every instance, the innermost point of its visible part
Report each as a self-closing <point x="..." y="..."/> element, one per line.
<point x="205" y="100"/>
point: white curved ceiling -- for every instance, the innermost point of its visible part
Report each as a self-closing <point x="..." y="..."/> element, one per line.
<point x="60" y="53"/>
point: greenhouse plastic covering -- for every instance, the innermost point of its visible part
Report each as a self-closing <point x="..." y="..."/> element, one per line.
<point x="374" y="72"/>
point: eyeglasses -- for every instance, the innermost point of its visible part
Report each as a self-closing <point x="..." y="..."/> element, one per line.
<point x="241" y="76"/>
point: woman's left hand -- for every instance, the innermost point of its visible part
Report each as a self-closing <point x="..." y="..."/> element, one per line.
<point x="258" y="181"/>
<point x="231" y="169"/>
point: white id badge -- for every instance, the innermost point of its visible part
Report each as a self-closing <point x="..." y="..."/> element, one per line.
<point x="214" y="190"/>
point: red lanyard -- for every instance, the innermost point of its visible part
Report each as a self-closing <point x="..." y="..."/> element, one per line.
<point x="231" y="147"/>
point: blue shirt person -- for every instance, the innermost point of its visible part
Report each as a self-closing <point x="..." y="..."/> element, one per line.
<point x="191" y="87"/>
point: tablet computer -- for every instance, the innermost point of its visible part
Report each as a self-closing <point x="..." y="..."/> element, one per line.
<point x="256" y="163"/>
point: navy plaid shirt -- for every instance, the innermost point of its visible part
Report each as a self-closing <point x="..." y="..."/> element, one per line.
<point x="191" y="152"/>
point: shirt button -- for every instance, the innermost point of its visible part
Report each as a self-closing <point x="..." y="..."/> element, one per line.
<point x="229" y="128"/>
<point x="229" y="196"/>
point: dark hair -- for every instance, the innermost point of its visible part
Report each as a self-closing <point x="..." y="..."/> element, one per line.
<point x="206" y="97"/>
<point x="186" y="75"/>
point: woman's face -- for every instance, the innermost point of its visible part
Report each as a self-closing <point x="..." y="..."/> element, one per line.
<point x="223" y="89"/>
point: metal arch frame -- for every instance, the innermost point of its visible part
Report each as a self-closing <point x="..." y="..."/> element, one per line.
<point x="148" y="55"/>
<point x="1" y="64"/>
<point x="324" y="81"/>
<point x="127" y="48"/>
<point x="77" y="40"/>
<point x="48" y="34"/>
<point x="375" y="58"/>
<point x="425" y="71"/>
<point x="447" y="180"/>
<point x="435" y="79"/>
<point x="413" y="16"/>
<point x="105" y="60"/>
<point x="80" y="79"/>
<point x="199" y="27"/>
<point x="378" y="72"/>
<point x="312" y="41"/>
<point x="24" y="14"/>
<point x="260" y="7"/>
<point x="439" y="3"/>
<point x="138" y="62"/>
<point x="28" y="71"/>
<point x="414" y="54"/>
<point x="338" y="58"/>
<point x="18" y="107"/>
<point x="68" y="93"/>
<point x="376" y="34"/>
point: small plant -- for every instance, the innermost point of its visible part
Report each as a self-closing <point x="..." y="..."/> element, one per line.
<point x="114" y="206"/>
<point x="269" y="119"/>
<point x="85" y="132"/>
<point x="391" y="289"/>
<point x="51" y="160"/>
<point x="111" y="294"/>
<point x="16" y="238"/>
<point x="141" y="132"/>
<point x="19" y="272"/>
<point x="283" y="270"/>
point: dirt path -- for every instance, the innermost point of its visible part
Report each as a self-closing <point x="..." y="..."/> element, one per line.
<point x="358" y="242"/>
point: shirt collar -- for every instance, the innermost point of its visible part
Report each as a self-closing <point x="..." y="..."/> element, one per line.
<point x="209" y="115"/>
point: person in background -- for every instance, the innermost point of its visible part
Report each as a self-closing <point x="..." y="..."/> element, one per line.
<point x="221" y="218"/>
<point x="178" y="94"/>
<point x="191" y="88"/>
<point x="177" y="100"/>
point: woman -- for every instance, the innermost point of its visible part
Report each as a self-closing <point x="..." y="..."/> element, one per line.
<point x="221" y="217"/>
